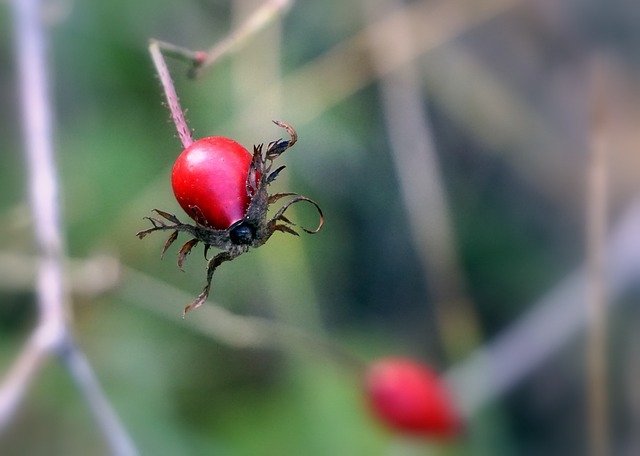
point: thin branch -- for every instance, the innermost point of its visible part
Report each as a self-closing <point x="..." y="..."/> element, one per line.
<point x="552" y="321"/>
<point x="339" y="73"/>
<point x="80" y="370"/>
<point x="224" y="326"/>
<point x="17" y="381"/>
<point x="416" y="163"/>
<point x="596" y="263"/>
<point x="88" y="277"/>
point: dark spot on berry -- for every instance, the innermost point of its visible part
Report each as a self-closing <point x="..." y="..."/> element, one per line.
<point x="242" y="233"/>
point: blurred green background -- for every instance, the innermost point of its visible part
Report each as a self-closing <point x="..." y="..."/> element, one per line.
<point x="447" y="143"/>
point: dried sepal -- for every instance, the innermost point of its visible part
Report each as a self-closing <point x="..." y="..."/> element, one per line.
<point x="285" y="229"/>
<point x="200" y="299"/>
<point x="284" y="219"/>
<point x="198" y="216"/>
<point x="276" y="148"/>
<point x="186" y="250"/>
<point x="279" y="216"/>
<point x="274" y="174"/>
<point x="170" y="241"/>
<point x="290" y="130"/>
<point x="278" y="196"/>
<point x="168" y="216"/>
<point x="161" y="225"/>
<point x="157" y="224"/>
<point x="211" y="267"/>
<point x="255" y="170"/>
<point x="141" y="234"/>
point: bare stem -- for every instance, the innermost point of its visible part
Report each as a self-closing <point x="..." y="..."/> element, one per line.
<point x="596" y="264"/>
<point x="177" y="115"/>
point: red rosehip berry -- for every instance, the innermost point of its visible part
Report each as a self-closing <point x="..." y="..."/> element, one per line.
<point x="225" y="189"/>
<point x="411" y="398"/>
<point x="209" y="181"/>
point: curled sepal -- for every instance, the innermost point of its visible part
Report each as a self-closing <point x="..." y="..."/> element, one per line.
<point x="200" y="299"/>
<point x="211" y="267"/>
<point x="186" y="250"/>
<point x="279" y="216"/>
<point x="167" y="244"/>
<point x="278" y="196"/>
<point x="276" y="148"/>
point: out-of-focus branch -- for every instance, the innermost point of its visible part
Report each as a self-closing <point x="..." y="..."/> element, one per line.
<point x="597" y="196"/>
<point x="425" y="199"/>
<point x="18" y="379"/>
<point x="487" y="374"/>
<point x="53" y="332"/>
<point x="339" y="73"/>
<point x="43" y="192"/>
<point x="556" y="318"/>
<point x="87" y="277"/>
<point x="201" y="60"/>
<point x="220" y="324"/>
<point x="260" y="18"/>
<point x="81" y="372"/>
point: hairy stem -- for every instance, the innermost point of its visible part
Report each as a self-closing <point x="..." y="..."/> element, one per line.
<point x="177" y="115"/>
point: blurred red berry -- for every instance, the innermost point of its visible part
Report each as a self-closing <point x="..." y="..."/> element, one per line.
<point x="411" y="398"/>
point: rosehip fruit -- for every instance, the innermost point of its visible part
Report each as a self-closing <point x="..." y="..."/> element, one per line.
<point x="225" y="189"/>
<point x="410" y="397"/>
<point x="209" y="180"/>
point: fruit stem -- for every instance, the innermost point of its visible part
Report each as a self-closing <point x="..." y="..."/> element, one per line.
<point x="177" y="115"/>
